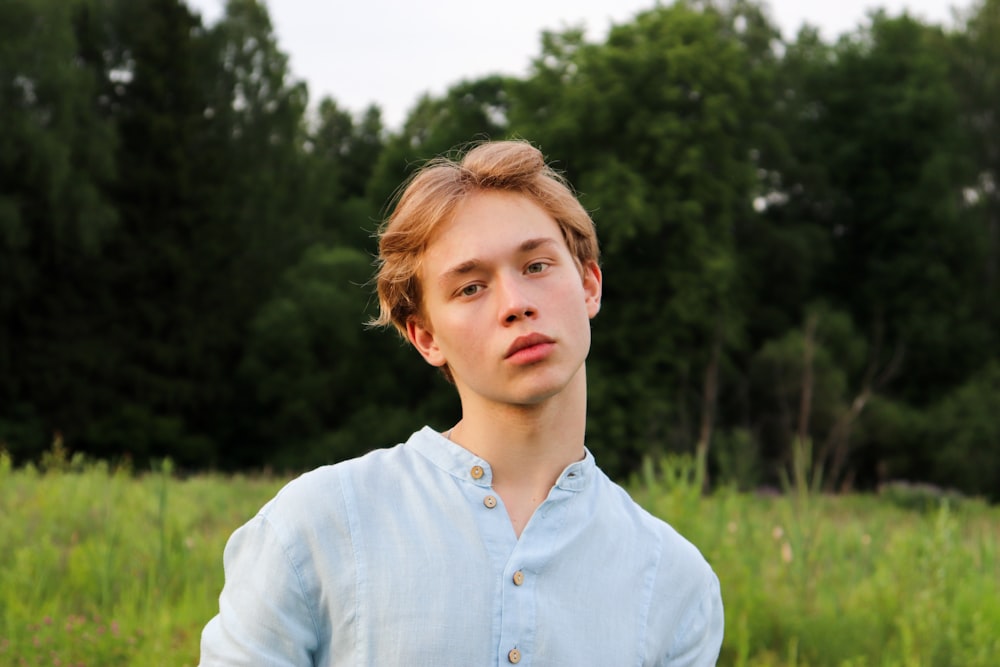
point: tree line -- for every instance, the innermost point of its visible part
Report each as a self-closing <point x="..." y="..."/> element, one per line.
<point x="800" y="240"/>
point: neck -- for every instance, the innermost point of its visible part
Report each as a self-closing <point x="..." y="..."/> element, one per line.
<point x="527" y="446"/>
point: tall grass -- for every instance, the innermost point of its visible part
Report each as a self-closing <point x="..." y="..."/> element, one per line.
<point x="845" y="581"/>
<point x="105" y="567"/>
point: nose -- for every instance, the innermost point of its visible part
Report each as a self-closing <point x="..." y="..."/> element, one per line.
<point x="515" y="302"/>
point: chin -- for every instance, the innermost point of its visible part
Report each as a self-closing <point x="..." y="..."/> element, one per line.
<point x="534" y="399"/>
<point x="539" y="390"/>
<point x="531" y="389"/>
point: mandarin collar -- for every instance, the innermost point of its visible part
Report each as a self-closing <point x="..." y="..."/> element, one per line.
<point x="462" y="464"/>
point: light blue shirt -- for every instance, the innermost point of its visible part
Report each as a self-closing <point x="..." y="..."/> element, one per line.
<point x="406" y="556"/>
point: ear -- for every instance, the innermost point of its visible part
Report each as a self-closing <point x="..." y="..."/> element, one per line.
<point x="422" y="338"/>
<point x="592" y="287"/>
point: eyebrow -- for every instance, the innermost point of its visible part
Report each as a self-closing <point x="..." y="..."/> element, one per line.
<point x="471" y="265"/>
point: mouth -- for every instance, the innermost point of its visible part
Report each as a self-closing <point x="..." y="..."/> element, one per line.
<point x="527" y="342"/>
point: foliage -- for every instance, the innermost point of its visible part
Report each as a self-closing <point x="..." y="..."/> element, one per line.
<point x="967" y="421"/>
<point x="307" y="352"/>
<point x="921" y="497"/>
<point x="469" y="111"/>
<point x="56" y="219"/>
<point x="799" y="240"/>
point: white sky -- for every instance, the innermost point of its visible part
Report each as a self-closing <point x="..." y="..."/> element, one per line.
<point x="389" y="52"/>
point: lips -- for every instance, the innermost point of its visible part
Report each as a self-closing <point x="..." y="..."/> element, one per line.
<point x="525" y="342"/>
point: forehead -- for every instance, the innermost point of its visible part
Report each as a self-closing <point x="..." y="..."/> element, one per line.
<point x="488" y="222"/>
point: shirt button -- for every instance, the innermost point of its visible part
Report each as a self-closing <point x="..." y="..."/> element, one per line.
<point x="490" y="502"/>
<point x="476" y="472"/>
<point x="518" y="578"/>
<point x="514" y="656"/>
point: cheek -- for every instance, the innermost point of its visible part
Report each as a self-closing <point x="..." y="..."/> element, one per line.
<point x="577" y="302"/>
<point x="461" y="337"/>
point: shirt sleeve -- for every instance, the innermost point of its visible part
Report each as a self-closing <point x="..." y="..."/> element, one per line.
<point x="698" y="642"/>
<point x="264" y="618"/>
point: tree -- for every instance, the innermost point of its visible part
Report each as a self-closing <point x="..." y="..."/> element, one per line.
<point x="964" y="435"/>
<point x="56" y="161"/>
<point x="343" y="154"/>
<point x="325" y="389"/>
<point x="210" y="170"/>
<point x="976" y="61"/>
<point x="883" y="169"/>
<point x="153" y="69"/>
<point x="468" y="111"/>
<point x="810" y="387"/>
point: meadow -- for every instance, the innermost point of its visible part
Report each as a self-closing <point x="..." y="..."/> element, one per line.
<point x="105" y="567"/>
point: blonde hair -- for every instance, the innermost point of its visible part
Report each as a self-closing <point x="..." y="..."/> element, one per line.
<point x="431" y="197"/>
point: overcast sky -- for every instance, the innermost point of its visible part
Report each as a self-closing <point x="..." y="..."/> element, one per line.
<point x="389" y="52"/>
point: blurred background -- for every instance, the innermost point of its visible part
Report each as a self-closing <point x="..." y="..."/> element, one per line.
<point x="800" y="235"/>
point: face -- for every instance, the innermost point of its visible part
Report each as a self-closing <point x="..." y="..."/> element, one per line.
<point x="505" y="305"/>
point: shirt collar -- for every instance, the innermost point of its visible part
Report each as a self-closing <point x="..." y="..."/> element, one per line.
<point x="463" y="464"/>
<point x="577" y="475"/>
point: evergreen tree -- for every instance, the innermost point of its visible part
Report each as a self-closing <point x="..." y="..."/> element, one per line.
<point x="56" y="161"/>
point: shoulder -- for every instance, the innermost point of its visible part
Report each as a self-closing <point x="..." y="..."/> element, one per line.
<point x="685" y="606"/>
<point x="678" y="563"/>
<point x="684" y="614"/>
<point x="682" y="567"/>
<point x="320" y="495"/>
<point x="629" y="515"/>
<point x="310" y="526"/>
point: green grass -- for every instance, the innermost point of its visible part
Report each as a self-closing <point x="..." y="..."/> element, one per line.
<point x="843" y="581"/>
<point x="105" y="567"/>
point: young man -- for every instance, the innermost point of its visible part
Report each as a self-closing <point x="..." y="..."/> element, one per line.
<point x="498" y="541"/>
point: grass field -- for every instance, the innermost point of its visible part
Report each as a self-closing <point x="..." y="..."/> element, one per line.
<point x="104" y="567"/>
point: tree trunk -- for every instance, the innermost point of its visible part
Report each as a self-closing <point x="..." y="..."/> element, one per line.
<point x="808" y="380"/>
<point x="708" y="400"/>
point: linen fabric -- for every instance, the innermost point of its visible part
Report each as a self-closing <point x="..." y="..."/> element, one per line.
<point x="406" y="556"/>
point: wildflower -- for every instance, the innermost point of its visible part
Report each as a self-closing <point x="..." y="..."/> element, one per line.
<point x="786" y="552"/>
<point x="777" y="533"/>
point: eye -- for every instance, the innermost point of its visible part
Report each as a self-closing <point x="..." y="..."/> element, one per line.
<point x="470" y="290"/>
<point x="536" y="267"/>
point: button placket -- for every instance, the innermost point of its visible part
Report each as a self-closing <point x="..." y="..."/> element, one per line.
<point x="518" y="603"/>
<point x="521" y="575"/>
